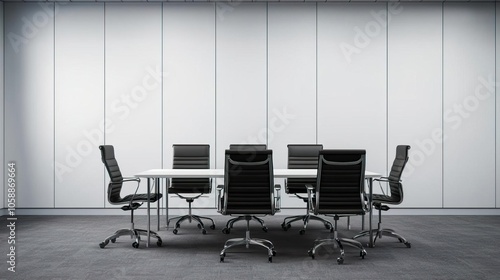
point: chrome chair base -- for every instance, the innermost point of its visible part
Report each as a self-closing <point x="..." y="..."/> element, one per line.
<point x="247" y="241"/>
<point x="379" y="233"/>
<point x="190" y="217"/>
<point x="134" y="234"/>
<point x="305" y="219"/>
<point x="337" y="243"/>
<point x="230" y="223"/>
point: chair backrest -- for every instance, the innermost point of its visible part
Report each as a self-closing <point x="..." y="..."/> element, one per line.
<point x="115" y="185"/>
<point x="395" y="185"/>
<point x="302" y="156"/>
<point x="248" y="147"/>
<point x="248" y="183"/>
<point x="340" y="182"/>
<point x="190" y="156"/>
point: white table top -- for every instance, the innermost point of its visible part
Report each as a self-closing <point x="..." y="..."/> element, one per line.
<point x="219" y="173"/>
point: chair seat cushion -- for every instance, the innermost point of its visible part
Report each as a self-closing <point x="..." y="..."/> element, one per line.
<point x="380" y="198"/>
<point x="298" y="185"/>
<point x="141" y="197"/>
<point x="190" y="185"/>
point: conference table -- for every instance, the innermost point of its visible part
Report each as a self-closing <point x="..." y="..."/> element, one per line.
<point x="157" y="174"/>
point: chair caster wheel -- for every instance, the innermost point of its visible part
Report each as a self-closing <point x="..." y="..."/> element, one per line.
<point x="204" y="231"/>
<point x="113" y="240"/>
<point x="226" y="230"/>
<point x="362" y="254"/>
<point x="103" y="244"/>
<point x="212" y="227"/>
<point x="310" y="253"/>
<point x="408" y="244"/>
<point x="270" y="259"/>
<point x="302" y="231"/>
<point x="340" y="260"/>
<point x="135" y="245"/>
<point x="285" y="227"/>
<point x="175" y="231"/>
<point x="221" y="259"/>
<point x="264" y="229"/>
<point x="274" y="253"/>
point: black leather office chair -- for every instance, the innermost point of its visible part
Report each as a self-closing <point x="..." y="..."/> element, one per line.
<point x="191" y="157"/>
<point x="339" y="192"/>
<point x="248" y="190"/>
<point x="302" y="156"/>
<point x="395" y="197"/>
<point x="245" y="148"/>
<point x="132" y="201"/>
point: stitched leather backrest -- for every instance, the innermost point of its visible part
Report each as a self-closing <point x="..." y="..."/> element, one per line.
<point x="190" y="157"/>
<point x="341" y="175"/>
<point x="248" y="182"/>
<point x="115" y="186"/>
<point x="302" y="156"/>
<point x="248" y="147"/>
<point x="397" y="168"/>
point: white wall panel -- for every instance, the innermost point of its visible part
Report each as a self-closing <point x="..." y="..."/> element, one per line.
<point x="292" y="81"/>
<point x="352" y="79"/>
<point x="2" y="203"/>
<point x="29" y="96"/>
<point x="133" y="82"/>
<point x="79" y="105"/>
<point x="241" y="93"/>
<point x="415" y="100"/>
<point x="497" y="105"/>
<point x="469" y="107"/>
<point x="189" y="87"/>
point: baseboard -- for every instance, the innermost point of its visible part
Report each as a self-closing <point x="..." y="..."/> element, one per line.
<point x="212" y="211"/>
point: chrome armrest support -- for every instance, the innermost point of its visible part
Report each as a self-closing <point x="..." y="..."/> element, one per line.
<point x="219" y="190"/>
<point x="310" y="192"/>
<point x="277" y="204"/>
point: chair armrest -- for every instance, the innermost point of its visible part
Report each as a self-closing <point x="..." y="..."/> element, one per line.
<point x="310" y="191"/>
<point x="131" y="179"/>
<point x="128" y="179"/>
<point x="277" y="198"/>
<point x="219" y="190"/>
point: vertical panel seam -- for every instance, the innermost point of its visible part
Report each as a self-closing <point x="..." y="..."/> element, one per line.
<point x="2" y="204"/>
<point x="54" y="105"/>
<point x="267" y="74"/>
<point x="104" y="98"/>
<point x="162" y="143"/>
<point x="215" y="91"/>
<point x="442" y="105"/>
<point x="316" y="109"/>
<point x="387" y="90"/>
<point x="162" y="126"/>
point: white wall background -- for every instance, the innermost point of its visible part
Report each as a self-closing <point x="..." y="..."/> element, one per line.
<point x="144" y="76"/>
<point x="3" y="201"/>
